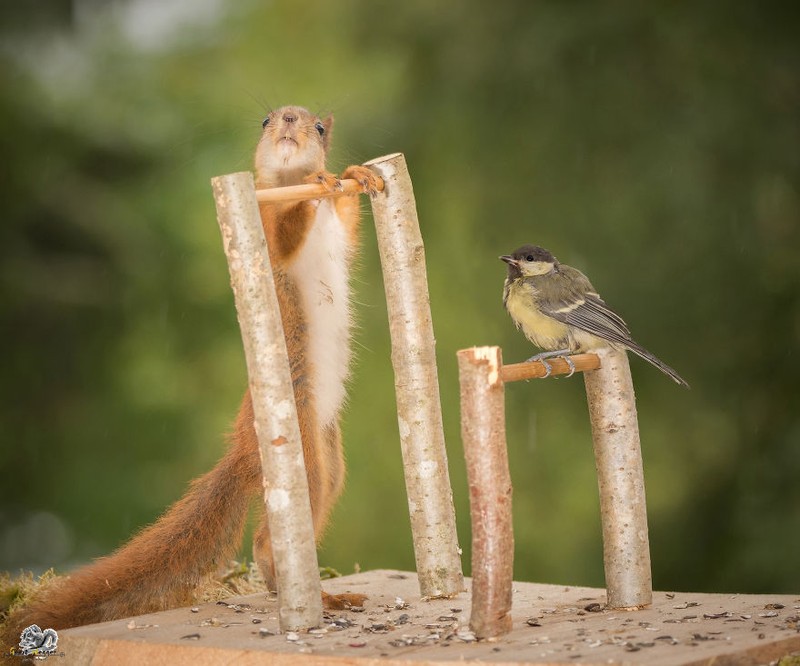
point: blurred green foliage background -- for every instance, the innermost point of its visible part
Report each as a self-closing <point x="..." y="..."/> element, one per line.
<point x="656" y="146"/>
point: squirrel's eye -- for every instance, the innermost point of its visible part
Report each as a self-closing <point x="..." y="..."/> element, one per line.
<point x="265" y="122"/>
<point x="529" y="257"/>
<point x="320" y="128"/>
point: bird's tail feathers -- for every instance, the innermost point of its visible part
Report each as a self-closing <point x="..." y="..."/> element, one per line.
<point x="657" y="362"/>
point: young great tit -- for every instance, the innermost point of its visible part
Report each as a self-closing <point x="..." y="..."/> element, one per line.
<point x="559" y="310"/>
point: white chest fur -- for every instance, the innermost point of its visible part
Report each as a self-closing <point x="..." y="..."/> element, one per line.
<point x="320" y="273"/>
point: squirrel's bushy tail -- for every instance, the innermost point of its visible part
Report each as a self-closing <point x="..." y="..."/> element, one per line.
<point x="159" y="567"/>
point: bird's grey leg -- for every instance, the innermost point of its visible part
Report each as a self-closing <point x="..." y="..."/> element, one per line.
<point x="548" y="354"/>
<point x="551" y="354"/>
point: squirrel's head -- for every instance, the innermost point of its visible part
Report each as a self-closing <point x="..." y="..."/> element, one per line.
<point x="294" y="143"/>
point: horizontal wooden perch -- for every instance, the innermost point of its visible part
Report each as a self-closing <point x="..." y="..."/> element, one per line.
<point x="310" y="191"/>
<point x="516" y="372"/>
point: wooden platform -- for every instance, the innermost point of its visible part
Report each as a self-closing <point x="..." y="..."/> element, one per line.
<point x="553" y="624"/>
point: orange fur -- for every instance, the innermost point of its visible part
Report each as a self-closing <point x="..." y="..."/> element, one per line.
<point x="160" y="567"/>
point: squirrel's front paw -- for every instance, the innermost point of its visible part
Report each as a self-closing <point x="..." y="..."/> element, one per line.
<point x="342" y="601"/>
<point x="325" y="178"/>
<point x="370" y="183"/>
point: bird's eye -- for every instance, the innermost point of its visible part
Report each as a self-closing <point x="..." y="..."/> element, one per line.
<point x="320" y="128"/>
<point x="529" y="257"/>
<point x="265" y="122"/>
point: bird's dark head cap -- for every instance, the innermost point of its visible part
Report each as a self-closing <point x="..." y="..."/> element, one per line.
<point x="527" y="255"/>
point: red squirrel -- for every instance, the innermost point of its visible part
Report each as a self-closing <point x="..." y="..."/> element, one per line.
<point x="311" y="245"/>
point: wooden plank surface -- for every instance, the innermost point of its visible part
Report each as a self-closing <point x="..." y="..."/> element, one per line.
<point x="552" y="624"/>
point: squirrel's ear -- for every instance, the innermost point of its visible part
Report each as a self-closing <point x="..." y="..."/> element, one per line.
<point x="328" y="124"/>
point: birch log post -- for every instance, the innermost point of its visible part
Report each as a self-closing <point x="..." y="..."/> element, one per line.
<point x="284" y="476"/>
<point x="419" y="412"/>
<point x="620" y="478"/>
<point x="483" y="432"/>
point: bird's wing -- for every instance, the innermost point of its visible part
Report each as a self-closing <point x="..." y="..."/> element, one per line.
<point x="582" y="307"/>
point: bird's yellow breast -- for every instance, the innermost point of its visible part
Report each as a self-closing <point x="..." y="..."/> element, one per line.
<point x="541" y="330"/>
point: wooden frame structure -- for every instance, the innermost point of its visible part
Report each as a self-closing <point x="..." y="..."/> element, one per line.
<point x="609" y="390"/>
<point x="620" y="474"/>
<point x="428" y="487"/>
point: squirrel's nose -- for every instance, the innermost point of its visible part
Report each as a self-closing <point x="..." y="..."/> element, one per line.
<point x="290" y="117"/>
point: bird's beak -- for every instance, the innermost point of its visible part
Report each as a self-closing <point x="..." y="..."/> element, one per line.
<point x="509" y="259"/>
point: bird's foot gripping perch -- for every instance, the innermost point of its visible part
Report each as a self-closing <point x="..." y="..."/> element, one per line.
<point x="559" y="353"/>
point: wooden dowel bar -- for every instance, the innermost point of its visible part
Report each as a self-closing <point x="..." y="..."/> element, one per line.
<point x="483" y="433"/>
<point x="620" y="479"/>
<point x="309" y="191"/>
<point x="284" y="475"/>
<point x="516" y="372"/>
<point x="416" y="380"/>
